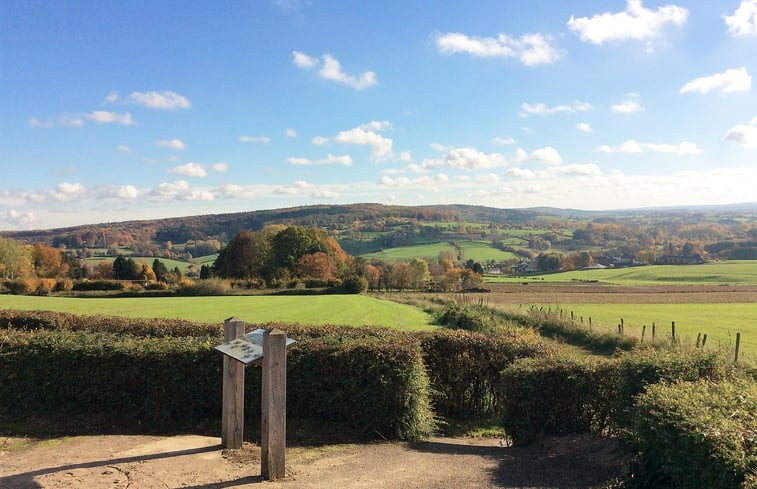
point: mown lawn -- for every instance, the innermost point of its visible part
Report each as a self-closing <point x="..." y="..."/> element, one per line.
<point x="355" y="310"/>
<point x="730" y="272"/>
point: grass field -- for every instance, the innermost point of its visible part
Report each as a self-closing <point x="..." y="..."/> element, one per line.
<point x="730" y="272"/>
<point x="147" y="260"/>
<point x="720" y="322"/>
<point x="355" y="310"/>
<point x="480" y="251"/>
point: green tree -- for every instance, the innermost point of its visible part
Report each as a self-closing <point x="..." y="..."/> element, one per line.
<point x="15" y="259"/>
<point x="549" y="262"/>
<point x="161" y="271"/>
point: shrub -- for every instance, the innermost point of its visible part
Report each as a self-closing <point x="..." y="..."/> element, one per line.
<point x="354" y="285"/>
<point x="88" y="285"/>
<point x="374" y="383"/>
<point x="45" y="286"/>
<point x="557" y="396"/>
<point x="207" y="287"/>
<point x="21" y="286"/>
<point x="64" y="285"/>
<point x="469" y="317"/>
<point x="696" y="435"/>
<point x="465" y="368"/>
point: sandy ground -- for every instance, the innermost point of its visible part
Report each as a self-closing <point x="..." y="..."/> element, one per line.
<point x="144" y="462"/>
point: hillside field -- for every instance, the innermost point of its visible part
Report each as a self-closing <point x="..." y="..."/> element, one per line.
<point x="729" y="272"/>
<point x="478" y="250"/>
<point x="355" y="310"/>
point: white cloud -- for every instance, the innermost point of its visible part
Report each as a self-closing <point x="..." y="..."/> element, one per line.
<point x="220" y="167"/>
<point x="378" y="126"/>
<point x="18" y="219"/>
<point x="319" y="140"/>
<point x="297" y="188"/>
<point x="744" y="135"/>
<point x="171" y="189"/>
<point x="632" y="146"/>
<point x="190" y="170"/>
<point x="547" y="155"/>
<point x="325" y="194"/>
<point x="254" y="139"/>
<point x="199" y="194"/>
<point x="66" y="188"/>
<point x="440" y="147"/>
<point x="542" y="109"/>
<point x="584" y="127"/>
<point x="530" y="49"/>
<point x="635" y="22"/>
<point x="731" y="80"/>
<point x="577" y="170"/>
<point x="424" y="181"/>
<point x="466" y="158"/>
<point x="628" y="105"/>
<point x="303" y="60"/>
<point x="629" y="146"/>
<point x="105" y="117"/>
<point x="521" y="173"/>
<point x="743" y="22"/>
<point x="123" y="148"/>
<point x="503" y="141"/>
<point x="177" y="144"/>
<point x="406" y="156"/>
<point x="127" y="192"/>
<point x="381" y="147"/>
<point x="682" y="148"/>
<point x="291" y="133"/>
<point x="331" y="69"/>
<point x="345" y="160"/>
<point x="165" y="100"/>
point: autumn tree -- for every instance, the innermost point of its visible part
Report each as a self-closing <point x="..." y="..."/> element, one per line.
<point x="48" y="262"/>
<point x="317" y="265"/>
<point x="15" y="259"/>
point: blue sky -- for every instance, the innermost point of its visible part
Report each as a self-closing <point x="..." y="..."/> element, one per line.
<point x="114" y="111"/>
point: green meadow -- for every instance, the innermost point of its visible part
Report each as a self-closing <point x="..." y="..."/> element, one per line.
<point x="720" y="322"/>
<point x="480" y="251"/>
<point x="355" y="310"/>
<point x="729" y="272"/>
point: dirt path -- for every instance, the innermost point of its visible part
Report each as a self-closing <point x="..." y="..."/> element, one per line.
<point x="120" y="462"/>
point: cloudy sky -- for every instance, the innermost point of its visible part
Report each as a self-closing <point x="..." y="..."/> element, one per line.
<point x="113" y="110"/>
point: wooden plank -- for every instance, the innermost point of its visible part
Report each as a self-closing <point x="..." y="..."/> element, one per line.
<point x="232" y="410"/>
<point x="273" y="418"/>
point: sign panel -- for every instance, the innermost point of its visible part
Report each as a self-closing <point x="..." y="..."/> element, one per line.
<point x="247" y="349"/>
<point x="242" y="350"/>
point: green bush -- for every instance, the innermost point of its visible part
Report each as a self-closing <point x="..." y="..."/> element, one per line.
<point x="562" y="395"/>
<point x="88" y="285"/>
<point x="465" y="368"/>
<point x="373" y="383"/>
<point x="470" y="317"/>
<point x="696" y="435"/>
<point x="354" y="285"/>
<point x="557" y="396"/>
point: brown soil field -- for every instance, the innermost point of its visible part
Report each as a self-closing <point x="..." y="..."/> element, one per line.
<point x="616" y="294"/>
<point x="189" y="461"/>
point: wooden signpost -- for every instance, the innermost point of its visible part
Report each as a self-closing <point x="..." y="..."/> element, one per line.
<point x="240" y="350"/>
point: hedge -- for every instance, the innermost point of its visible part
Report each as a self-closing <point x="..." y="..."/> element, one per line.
<point x="465" y="368"/>
<point x="696" y="435"/>
<point x="564" y="395"/>
<point x="376" y="387"/>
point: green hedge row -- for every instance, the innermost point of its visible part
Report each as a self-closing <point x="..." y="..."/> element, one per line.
<point x="563" y="395"/>
<point x="465" y="368"/>
<point x="374" y="387"/>
<point x="696" y="435"/>
<point x="49" y="320"/>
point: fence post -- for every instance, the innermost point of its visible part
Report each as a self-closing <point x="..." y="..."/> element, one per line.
<point x="643" y="332"/>
<point x="738" y="343"/>
<point x="273" y="417"/>
<point x="232" y="409"/>
<point x="704" y="340"/>
<point x="653" y="330"/>
<point x="699" y="340"/>
<point x="673" y="330"/>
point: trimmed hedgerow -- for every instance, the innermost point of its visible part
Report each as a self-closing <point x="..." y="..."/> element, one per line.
<point x="377" y="387"/>
<point x="141" y="327"/>
<point x="696" y="435"/>
<point x="465" y="368"/>
<point x="563" y="395"/>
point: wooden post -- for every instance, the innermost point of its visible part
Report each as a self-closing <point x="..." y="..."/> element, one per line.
<point x="704" y="340"/>
<point x="232" y="410"/>
<point x="643" y="332"/>
<point x="699" y="340"/>
<point x="273" y="420"/>
<point x="653" y="331"/>
<point x="738" y="343"/>
<point x="673" y="330"/>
